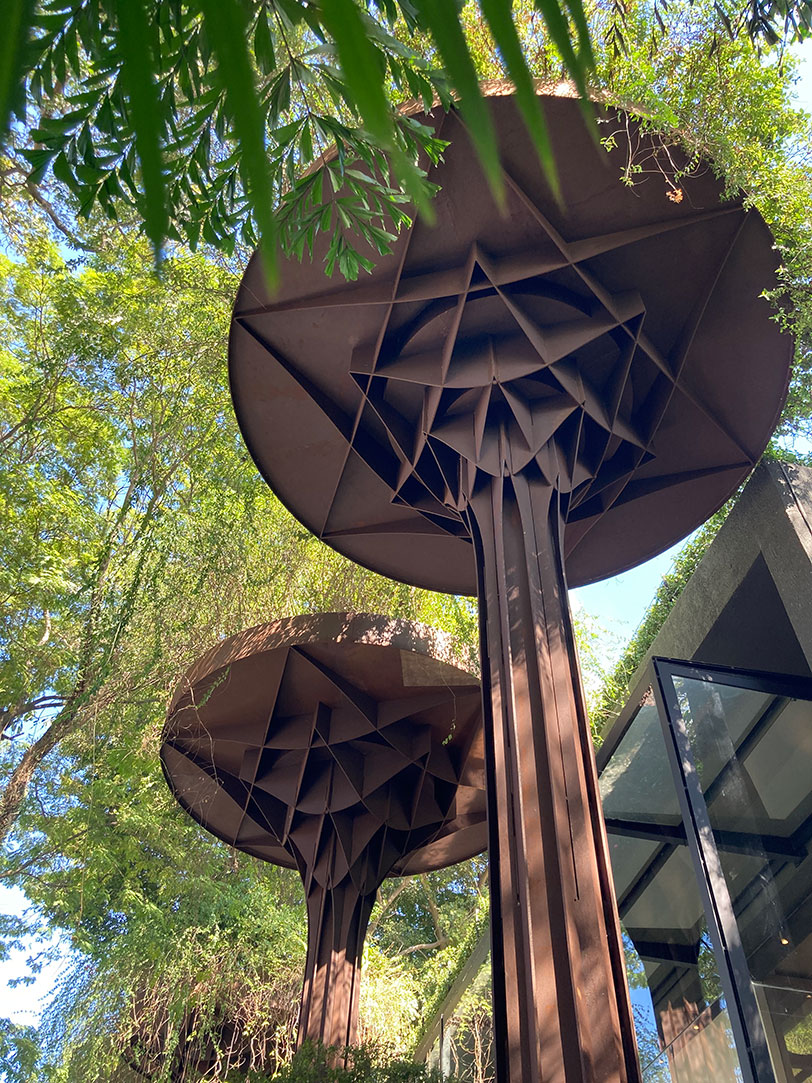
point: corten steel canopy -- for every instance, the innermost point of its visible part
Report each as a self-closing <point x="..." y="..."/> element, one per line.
<point x="570" y="385"/>
<point x="349" y="747"/>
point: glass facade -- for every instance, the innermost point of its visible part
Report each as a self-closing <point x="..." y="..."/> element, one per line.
<point x="683" y="1031"/>
<point x="707" y="794"/>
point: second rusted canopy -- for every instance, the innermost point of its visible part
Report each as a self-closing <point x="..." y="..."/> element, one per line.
<point x="616" y="340"/>
<point x="350" y="747"/>
<point x="353" y="717"/>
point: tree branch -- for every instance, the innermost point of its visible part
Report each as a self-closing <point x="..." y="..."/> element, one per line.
<point x="404" y="883"/>
<point x="17" y="785"/>
<point x="441" y="943"/>
<point x="9" y="715"/>
<point x="432" y="903"/>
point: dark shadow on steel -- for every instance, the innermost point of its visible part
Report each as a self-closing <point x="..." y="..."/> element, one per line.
<point x="349" y="747"/>
<point x="568" y="385"/>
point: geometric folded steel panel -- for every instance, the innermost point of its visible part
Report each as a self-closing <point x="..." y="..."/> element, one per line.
<point x="516" y="401"/>
<point x="349" y="747"/>
<point x="615" y="341"/>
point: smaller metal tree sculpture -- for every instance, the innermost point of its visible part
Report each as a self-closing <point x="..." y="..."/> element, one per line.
<point x="348" y="747"/>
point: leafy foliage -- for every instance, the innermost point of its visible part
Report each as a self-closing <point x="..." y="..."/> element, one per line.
<point x="138" y="533"/>
<point x="122" y="463"/>
<point x="730" y="106"/>
<point x="363" y="1064"/>
<point x="469" y="1032"/>
<point x="19" y="1051"/>
<point x="203" y="117"/>
<point x="618" y="682"/>
<point x="449" y="964"/>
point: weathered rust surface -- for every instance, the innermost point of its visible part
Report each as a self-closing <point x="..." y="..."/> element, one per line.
<point x="513" y="402"/>
<point x="616" y="345"/>
<point x="349" y="747"/>
<point x="560" y="1001"/>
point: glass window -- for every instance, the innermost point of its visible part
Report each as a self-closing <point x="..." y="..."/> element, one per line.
<point x="683" y="1030"/>
<point x="753" y="756"/>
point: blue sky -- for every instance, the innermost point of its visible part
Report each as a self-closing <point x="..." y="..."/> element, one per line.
<point x="617" y="605"/>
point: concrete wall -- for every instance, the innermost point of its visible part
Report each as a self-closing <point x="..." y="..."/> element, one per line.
<point x="749" y="602"/>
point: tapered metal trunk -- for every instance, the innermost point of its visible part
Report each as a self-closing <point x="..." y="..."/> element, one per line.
<point x="562" y="1010"/>
<point x="337" y="920"/>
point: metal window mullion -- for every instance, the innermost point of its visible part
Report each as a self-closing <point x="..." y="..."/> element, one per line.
<point x="734" y="973"/>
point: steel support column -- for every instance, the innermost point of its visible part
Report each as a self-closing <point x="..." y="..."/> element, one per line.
<point x="337" y="920"/>
<point x="561" y="1000"/>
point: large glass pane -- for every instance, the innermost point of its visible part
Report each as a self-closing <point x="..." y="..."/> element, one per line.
<point x="753" y="754"/>
<point x="683" y="1030"/>
<point x="465" y="1048"/>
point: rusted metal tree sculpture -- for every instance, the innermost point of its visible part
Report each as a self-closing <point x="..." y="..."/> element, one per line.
<point x="516" y="399"/>
<point x="348" y="747"/>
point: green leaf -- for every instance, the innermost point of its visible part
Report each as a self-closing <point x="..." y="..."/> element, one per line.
<point x="503" y="29"/>
<point x="39" y="161"/>
<point x="35" y="86"/>
<point x="227" y="29"/>
<point x="285" y="134"/>
<point x="301" y="72"/>
<point x="138" y="79"/>
<point x="105" y="120"/>
<point x="364" y="69"/>
<point x="559" y="31"/>
<point x="87" y="197"/>
<point x="306" y="143"/>
<point x="578" y="16"/>
<point x="72" y="50"/>
<point x="50" y="22"/>
<point x="360" y="62"/>
<point x="292" y="10"/>
<point x="60" y="125"/>
<point x="62" y="171"/>
<point x="192" y="231"/>
<point x="263" y="44"/>
<point x="126" y="176"/>
<point x="89" y="174"/>
<point x="279" y="97"/>
<point x="442" y="19"/>
<point x="410" y="14"/>
<point x="60" y="63"/>
<point x="17" y="18"/>
<point x="720" y="11"/>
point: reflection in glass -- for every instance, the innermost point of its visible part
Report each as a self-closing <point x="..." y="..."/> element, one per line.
<point x="683" y="1030"/>
<point x="464" y="1048"/>
<point x="753" y="753"/>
